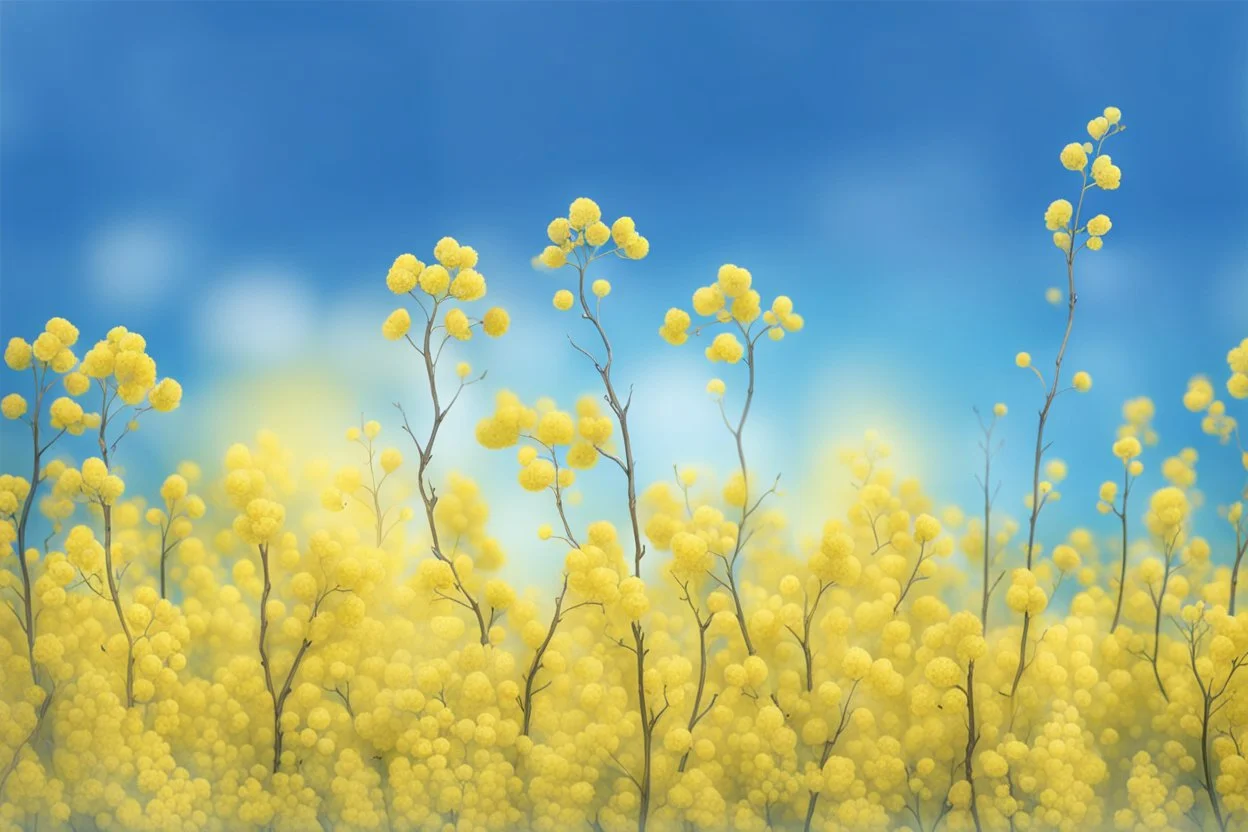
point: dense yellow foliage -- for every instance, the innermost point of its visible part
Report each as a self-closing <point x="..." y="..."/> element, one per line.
<point x="278" y="645"/>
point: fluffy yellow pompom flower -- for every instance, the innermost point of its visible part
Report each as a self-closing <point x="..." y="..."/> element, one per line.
<point x="926" y="527"/>
<point x="538" y="475"/>
<point x="468" y="285"/>
<point x="1066" y="558"/>
<point x="601" y="288"/>
<point x="13" y="406"/>
<point x="260" y="521"/>
<point x="457" y="325"/>
<point x="434" y="280"/>
<point x="1082" y="381"/>
<point x="18" y="354"/>
<point x="637" y="247"/>
<point x="1074" y="157"/>
<point x="496" y="322"/>
<point x="1167" y="510"/>
<point x="404" y="274"/>
<point x="1199" y="394"/>
<point x="446" y="252"/>
<point x="708" y="300"/>
<point x="563" y="300"/>
<point x="675" y="326"/>
<point x="559" y="230"/>
<point x="597" y="234"/>
<point x="1113" y="115"/>
<point x="1058" y="214"/>
<point x="623" y="230"/>
<point x="583" y="213"/>
<point x="1098" y="127"/>
<point x="942" y="672"/>
<point x="715" y="387"/>
<point x="999" y="409"/>
<point x="1106" y="174"/>
<point x="725" y="348"/>
<point x="733" y="281"/>
<point x="556" y="428"/>
<point x="1127" y="448"/>
<point x="391" y="459"/>
<point x="1023" y="359"/>
<point x="856" y="664"/>
<point x="165" y="396"/>
<point x="397" y="324"/>
<point x="553" y="257"/>
<point x="1099" y="225"/>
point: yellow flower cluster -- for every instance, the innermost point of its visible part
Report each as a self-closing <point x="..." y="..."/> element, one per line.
<point x="289" y="644"/>
<point x="451" y="277"/>
<point x="1201" y="397"/>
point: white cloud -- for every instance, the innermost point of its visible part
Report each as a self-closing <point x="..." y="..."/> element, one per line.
<point x="257" y="316"/>
<point x="133" y="262"/>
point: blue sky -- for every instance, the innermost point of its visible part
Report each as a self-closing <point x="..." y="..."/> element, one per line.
<point x="233" y="179"/>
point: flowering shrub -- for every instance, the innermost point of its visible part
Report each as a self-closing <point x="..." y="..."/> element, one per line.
<point x="270" y="644"/>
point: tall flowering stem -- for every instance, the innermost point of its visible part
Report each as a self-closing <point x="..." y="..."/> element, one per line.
<point x="584" y="236"/>
<point x="1127" y="481"/>
<point x="1067" y="230"/>
<point x="452" y="278"/>
<point x="531" y="689"/>
<point x="27" y="618"/>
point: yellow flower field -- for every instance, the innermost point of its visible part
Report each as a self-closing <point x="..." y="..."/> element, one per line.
<point x="269" y="643"/>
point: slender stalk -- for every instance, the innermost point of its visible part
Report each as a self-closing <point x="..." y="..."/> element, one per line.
<point x="1241" y="546"/>
<point x="114" y="590"/>
<point x="913" y="579"/>
<point x="428" y="493"/>
<point x="1036" y="502"/>
<point x="1122" y="569"/>
<point x="813" y="800"/>
<point x="279" y="697"/>
<point x="629" y="467"/>
<point x="28" y="617"/>
<point x="809" y="610"/>
<point x="738" y="435"/>
<point x="972" y="740"/>
<point x="696" y="713"/>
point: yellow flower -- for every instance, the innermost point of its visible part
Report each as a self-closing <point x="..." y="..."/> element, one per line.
<point x="1106" y="174"/>
<point x="1099" y="225"/>
<point x="1098" y="127"/>
<point x="397" y="324"/>
<point x="13" y="406"/>
<point x="563" y="300"/>
<point x="725" y="348"/>
<point x="553" y="257"/>
<point x="1058" y="214"/>
<point x="496" y="322"/>
<point x="1082" y="381"/>
<point x="1074" y="157"/>
<point x="583" y="213"/>
<point x="559" y="230"/>
<point x="403" y="274"/>
<point x="1023" y="359"/>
